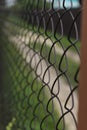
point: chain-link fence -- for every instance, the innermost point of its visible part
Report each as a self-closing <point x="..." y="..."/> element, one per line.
<point x="40" y="59"/>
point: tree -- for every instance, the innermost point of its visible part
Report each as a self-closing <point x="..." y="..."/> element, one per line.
<point x="2" y="2"/>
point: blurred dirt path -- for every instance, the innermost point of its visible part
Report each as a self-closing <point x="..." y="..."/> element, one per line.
<point x="29" y="36"/>
<point x="63" y="88"/>
<point x="50" y="74"/>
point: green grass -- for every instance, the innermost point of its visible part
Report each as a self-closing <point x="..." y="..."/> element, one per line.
<point x="27" y="93"/>
<point x="21" y="93"/>
<point x="64" y="41"/>
<point x="30" y="5"/>
<point x="24" y="95"/>
<point x="67" y="65"/>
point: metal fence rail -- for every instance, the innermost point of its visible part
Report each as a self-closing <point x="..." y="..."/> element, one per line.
<point x="40" y="52"/>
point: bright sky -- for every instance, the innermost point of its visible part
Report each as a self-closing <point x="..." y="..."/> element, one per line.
<point x="67" y="3"/>
<point x="10" y="2"/>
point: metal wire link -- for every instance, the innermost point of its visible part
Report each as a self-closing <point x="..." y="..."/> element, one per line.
<point x="40" y="52"/>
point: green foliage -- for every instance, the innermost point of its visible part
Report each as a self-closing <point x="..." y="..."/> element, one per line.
<point x="11" y="124"/>
<point x="30" y="5"/>
<point x="28" y="95"/>
<point x="55" y="58"/>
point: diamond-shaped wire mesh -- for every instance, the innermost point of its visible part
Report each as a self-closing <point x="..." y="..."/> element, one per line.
<point x="40" y="59"/>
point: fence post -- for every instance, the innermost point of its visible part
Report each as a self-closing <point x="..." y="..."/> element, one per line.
<point x="82" y="121"/>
